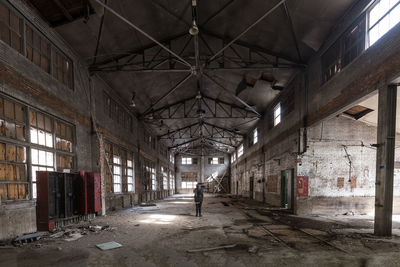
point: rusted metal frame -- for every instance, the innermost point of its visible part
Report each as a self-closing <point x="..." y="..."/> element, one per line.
<point x="179" y="104"/>
<point x="225" y="129"/>
<point x="238" y="55"/>
<point x="296" y="42"/>
<point x="232" y="95"/>
<point x="246" y="30"/>
<point x="98" y="35"/>
<point x="261" y="55"/>
<point x="184" y="143"/>
<point x="256" y="48"/>
<point x="185" y="46"/>
<point x="175" y="111"/>
<point x="208" y="107"/>
<point x="206" y="129"/>
<point x="128" y="63"/>
<point x="154" y="57"/>
<point x="219" y="142"/>
<point x="223" y="102"/>
<point x="215" y="14"/>
<point x="206" y="44"/>
<point x="179" y="84"/>
<point x="191" y="108"/>
<point x="222" y="107"/>
<point x="62" y="8"/>
<point x="142" y="32"/>
<point x="177" y="130"/>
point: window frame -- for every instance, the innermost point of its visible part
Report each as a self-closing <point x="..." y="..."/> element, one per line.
<point x="25" y="23"/>
<point x="275" y="116"/>
<point x="378" y="21"/>
<point x="240" y="151"/>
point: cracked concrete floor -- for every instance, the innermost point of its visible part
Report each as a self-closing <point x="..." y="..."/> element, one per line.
<point x="162" y="234"/>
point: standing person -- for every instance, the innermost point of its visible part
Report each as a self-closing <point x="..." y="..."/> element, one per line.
<point x="198" y="199"/>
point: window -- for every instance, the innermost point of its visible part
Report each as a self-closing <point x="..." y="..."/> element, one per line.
<point x="153" y="178"/>
<point x="172" y="158"/>
<point x="41" y="129"/>
<point x="277" y="114"/>
<point x="12" y="120"/>
<point x="240" y="151"/>
<point x="37" y="48"/>
<point x="213" y="161"/>
<point x="255" y="136"/>
<point x="10" y="28"/>
<point x="120" y="175"/>
<point x="130" y="173"/>
<point x="344" y="50"/>
<point x="13" y="178"/>
<point x="171" y="181"/>
<point x="164" y="173"/>
<point x="41" y="160"/>
<point x="221" y="161"/>
<point x="233" y="157"/>
<point x="383" y="16"/>
<point x="189" y="180"/>
<point x="117" y="181"/>
<point x="186" y="161"/>
<point x="61" y="67"/>
<point x="42" y="132"/>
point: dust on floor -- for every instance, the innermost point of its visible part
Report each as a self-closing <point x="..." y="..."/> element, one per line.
<point x="231" y="232"/>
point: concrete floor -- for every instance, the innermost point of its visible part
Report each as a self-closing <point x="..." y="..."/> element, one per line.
<point x="162" y="234"/>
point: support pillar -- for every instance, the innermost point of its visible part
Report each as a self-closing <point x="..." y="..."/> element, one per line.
<point x="385" y="160"/>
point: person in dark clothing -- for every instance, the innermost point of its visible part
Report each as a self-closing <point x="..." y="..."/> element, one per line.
<point x="198" y="199"/>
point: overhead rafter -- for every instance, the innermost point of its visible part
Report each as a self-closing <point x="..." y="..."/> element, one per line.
<point x="63" y="10"/>
<point x="143" y="32"/>
<point x="122" y="57"/>
<point x="211" y="108"/>
<point x="179" y="84"/>
<point x="232" y="95"/>
<point x="245" y="31"/>
<point x="204" y="130"/>
<point x="285" y="7"/>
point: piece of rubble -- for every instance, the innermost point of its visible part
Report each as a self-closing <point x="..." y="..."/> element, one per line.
<point x="109" y="245"/>
<point x="73" y="237"/>
<point x="29" y="238"/>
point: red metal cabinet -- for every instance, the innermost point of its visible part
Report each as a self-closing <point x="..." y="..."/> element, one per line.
<point x="57" y="198"/>
<point x="93" y="191"/>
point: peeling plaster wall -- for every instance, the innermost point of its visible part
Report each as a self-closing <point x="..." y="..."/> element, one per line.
<point x="328" y="168"/>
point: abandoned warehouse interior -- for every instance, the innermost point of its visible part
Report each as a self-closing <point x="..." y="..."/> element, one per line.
<point x="285" y="112"/>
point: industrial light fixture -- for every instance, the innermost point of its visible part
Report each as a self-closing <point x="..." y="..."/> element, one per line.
<point x="133" y="104"/>
<point x="194" y="30"/>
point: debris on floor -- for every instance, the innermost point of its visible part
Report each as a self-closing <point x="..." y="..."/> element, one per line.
<point x="210" y="249"/>
<point x="349" y="213"/>
<point x="253" y="249"/>
<point x="73" y="237"/>
<point x="225" y="203"/>
<point x="147" y="205"/>
<point x="29" y="238"/>
<point x="109" y="245"/>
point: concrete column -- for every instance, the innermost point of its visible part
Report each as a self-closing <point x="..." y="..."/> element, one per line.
<point x="385" y="160"/>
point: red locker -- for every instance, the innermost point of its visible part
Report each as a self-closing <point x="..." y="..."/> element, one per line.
<point x="83" y="197"/>
<point x="57" y="198"/>
<point x="93" y="192"/>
